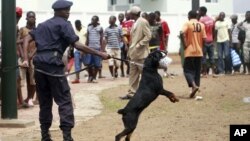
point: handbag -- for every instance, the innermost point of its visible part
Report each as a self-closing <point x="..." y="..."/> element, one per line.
<point x="235" y="58"/>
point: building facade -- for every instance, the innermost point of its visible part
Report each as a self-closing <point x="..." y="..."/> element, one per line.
<point x="181" y="6"/>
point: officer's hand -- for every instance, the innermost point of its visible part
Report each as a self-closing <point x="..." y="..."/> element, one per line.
<point x="105" y="56"/>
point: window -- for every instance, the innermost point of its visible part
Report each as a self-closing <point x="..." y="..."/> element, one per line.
<point x="212" y="1"/>
<point x="131" y="1"/>
<point x="113" y="2"/>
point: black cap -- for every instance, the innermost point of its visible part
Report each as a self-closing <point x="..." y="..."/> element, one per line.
<point x="62" y="4"/>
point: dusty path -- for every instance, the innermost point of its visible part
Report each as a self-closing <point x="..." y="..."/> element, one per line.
<point x="87" y="105"/>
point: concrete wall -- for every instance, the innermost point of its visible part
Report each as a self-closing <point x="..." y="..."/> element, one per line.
<point x="178" y="6"/>
<point x="183" y="6"/>
<point x="241" y="6"/>
<point x="222" y="5"/>
<point x="153" y="5"/>
<point x="78" y="5"/>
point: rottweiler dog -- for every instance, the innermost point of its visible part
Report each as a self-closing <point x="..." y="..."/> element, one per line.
<point x="150" y="87"/>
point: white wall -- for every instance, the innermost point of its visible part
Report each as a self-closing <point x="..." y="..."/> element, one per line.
<point x="153" y="5"/>
<point x="78" y="5"/>
<point x="122" y="2"/>
<point x="178" y="6"/>
<point x="241" y="6"/>
<point x="222" y="6"/>
<point x="183" y="6"/>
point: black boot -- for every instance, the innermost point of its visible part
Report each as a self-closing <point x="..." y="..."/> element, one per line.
<point x="46" y="136"/>
<point x="67" y="136"/>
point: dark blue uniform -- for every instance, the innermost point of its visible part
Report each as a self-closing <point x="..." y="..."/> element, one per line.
<point x="52" y="37"/>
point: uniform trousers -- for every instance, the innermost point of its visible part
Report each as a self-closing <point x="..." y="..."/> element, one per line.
<point x="54" y="88"/>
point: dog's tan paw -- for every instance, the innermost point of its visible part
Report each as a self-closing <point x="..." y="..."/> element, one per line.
<point x="173" y="99"/>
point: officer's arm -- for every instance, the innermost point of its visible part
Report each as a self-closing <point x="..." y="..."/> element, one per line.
<point x="87" y="49"/>
<point x="27" y="39"/>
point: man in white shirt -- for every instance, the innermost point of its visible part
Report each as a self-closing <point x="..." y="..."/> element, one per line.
<point x="222" y="37"/>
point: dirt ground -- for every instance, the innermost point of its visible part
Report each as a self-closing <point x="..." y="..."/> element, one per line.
<point x="189" y="120"/>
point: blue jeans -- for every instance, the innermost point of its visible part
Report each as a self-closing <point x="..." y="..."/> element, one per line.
<point x="224" y="52"/>
<point x="78" y="60"/>
<point x="91" y="59"/>
<point x="208" y="49"/>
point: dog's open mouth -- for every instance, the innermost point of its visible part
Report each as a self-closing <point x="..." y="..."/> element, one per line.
<point x="165" y="61"/>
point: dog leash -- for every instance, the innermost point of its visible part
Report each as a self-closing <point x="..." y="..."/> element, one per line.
<point x="131" y="62"/>
<point x="6" y="69"/>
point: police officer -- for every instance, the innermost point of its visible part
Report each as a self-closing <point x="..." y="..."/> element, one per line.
<point x="52" y="37"/>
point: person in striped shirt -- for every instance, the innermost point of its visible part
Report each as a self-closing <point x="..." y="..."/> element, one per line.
<point x="113" y="35"/>
<point x="94" y="41"/>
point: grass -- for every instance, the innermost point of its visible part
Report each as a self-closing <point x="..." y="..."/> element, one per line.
<point x="112" y="103"/>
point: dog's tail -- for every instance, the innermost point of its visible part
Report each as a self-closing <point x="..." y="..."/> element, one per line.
<point x="121" y="111"/>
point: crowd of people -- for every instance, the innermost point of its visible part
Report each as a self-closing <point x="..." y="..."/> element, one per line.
<point x="133" y="38"/>
<point x="202" y="37"/>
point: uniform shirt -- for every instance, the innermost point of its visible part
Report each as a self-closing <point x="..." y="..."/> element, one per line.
<point x="82" y="34"/>
<point x="194" y="33"/>
<point x="222" y="31"/>
<point x="52" y="37"/>
<point x="24" y="31"/>
<point x="126" y="28"/>
<point x="113" y="35"/>
<point x="234" y="33"/>
<point x="94" y="36"/>
<point x="209" y="27"/>
<point x="246" y="28"/>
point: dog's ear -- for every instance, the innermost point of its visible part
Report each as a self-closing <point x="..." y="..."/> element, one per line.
<point x="158" y="55"/>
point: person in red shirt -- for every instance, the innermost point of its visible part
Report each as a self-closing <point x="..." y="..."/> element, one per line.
<point x="126" y="28"/>
<point x="208" y="48"/>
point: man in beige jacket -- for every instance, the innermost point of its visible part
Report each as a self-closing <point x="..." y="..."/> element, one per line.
<point x="138" y="49"/>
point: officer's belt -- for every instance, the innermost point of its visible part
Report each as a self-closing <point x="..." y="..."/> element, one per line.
<point x="50" y="53"/>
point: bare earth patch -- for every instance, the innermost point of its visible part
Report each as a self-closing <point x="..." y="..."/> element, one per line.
<point x="188" y="120"/>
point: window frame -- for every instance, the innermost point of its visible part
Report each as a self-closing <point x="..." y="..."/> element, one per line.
<point x="211" y="1"/>
<point x="113" y="2"/>
<point x="131" y="1"/>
